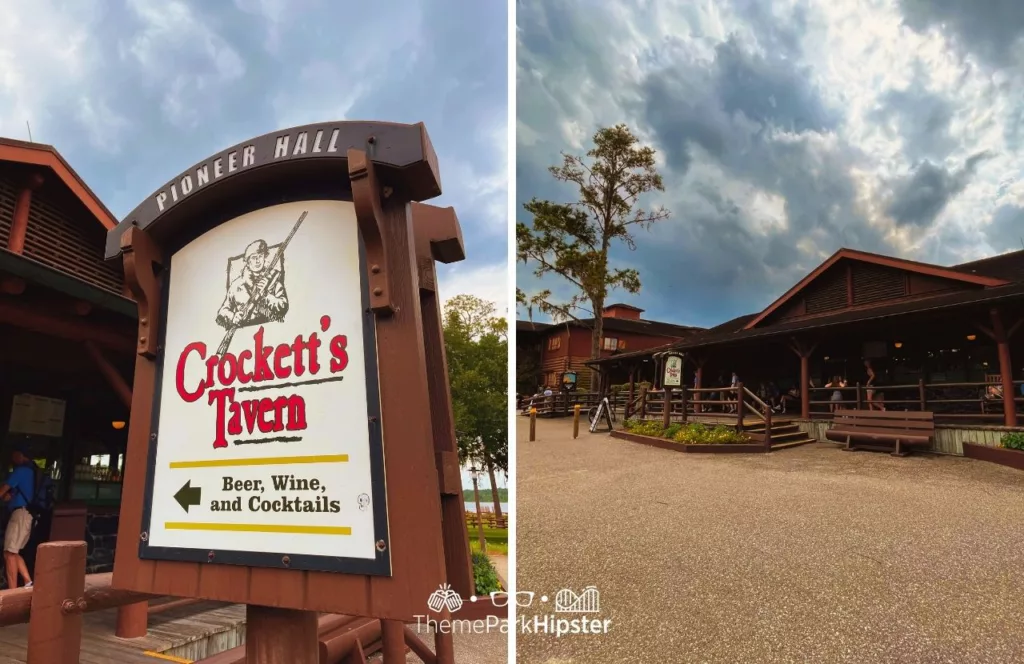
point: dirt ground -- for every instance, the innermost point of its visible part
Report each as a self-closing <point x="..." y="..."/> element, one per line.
<point x="809" y="554"/>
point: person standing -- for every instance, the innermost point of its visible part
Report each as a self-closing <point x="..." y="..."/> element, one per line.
<point x="16" y="492"/>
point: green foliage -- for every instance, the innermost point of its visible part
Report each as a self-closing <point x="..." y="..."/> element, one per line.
<point x="572" y="240"/>
<point x="485" y="495"/>
<point x="1013" y="440"/>
<point x="476" y="344"/>
<point x="700" y="434"/>
<point x="624" y="388"/>
<point x="484" y="574"/>
<point x="689" y="434"/>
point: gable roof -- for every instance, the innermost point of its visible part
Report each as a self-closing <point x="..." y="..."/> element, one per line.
<point x="876" y="259"/>
<point x="38" y="154"/>
<point x="1009" y="266"/>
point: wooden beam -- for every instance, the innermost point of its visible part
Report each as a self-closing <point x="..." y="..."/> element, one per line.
<point x="111" y="373"/>
<point x="986" y="331"/>
<point x="32" y="318"/>
<point x="19" y="223"/>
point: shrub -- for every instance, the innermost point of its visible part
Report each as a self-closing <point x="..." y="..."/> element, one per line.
<point x="1014" y="440"/>
<point x="484" y="575"/>
<point x="672" y="430"/>
<point x="700" y="434"/>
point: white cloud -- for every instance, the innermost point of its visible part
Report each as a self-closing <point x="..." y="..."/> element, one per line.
<point x="488" y="282"/>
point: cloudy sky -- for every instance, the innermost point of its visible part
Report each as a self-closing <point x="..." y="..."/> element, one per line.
<point x="785" y="130"/>
<point x="133" y="91"/>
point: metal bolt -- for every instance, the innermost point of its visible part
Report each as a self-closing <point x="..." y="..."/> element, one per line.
<point x="378" y="291"/>
<point x="286" y="561"/>
<point x="152" y="436"/>
<point x="210" y="556"/>
<point x="371" y="140"/>
<point x="68" y="606"/>
<point x="375" y="268"/>
<point x="373" y="419"/>
<point x="144" y="321"/>
<point x="388" y="191"/>
<point x="144" y="536"/>
<point x="82" y="604"/>
<point x="142" y="340"/>
<point x="381" y="546"/>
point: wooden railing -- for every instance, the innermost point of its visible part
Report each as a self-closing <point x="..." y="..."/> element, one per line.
<point x="62" y="592"/>
<point x="952" y="401"/>
<point x="489" y="519"/>
<point x="560" y="404"/>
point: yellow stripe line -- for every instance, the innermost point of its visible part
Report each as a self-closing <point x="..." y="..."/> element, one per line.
<point x="169" y="658"/>
<point x="259" y="528"/>
<point x="261" y="461"/>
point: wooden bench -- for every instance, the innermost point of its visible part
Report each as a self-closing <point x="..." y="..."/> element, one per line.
<point x="882" y="430"/>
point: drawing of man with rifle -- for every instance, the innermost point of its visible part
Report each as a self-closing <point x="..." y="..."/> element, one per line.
<point x="259" y="278"/>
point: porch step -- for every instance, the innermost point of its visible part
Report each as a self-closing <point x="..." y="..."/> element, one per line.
<point x="787" y="427"/>
<point x="791" y="443"/>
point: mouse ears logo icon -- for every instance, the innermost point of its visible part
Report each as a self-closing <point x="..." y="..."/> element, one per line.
<point x="444" y="597"/>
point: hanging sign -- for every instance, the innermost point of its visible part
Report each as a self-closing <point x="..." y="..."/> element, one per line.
<point x="673" y="371"/>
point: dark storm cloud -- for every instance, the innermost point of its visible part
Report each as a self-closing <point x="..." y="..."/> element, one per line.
<point x="919" y="197"/>
<point x="920" y="118"/>
<point x="991" y="29"/>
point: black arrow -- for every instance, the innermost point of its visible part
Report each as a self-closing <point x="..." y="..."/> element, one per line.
<point x="188" y="495"/>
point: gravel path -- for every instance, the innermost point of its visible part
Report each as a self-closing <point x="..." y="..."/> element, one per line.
<point x="809" y="554"/>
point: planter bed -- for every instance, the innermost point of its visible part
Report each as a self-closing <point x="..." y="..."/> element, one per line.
<point x="664" y="443"/>
<point x="1004" y="456"/>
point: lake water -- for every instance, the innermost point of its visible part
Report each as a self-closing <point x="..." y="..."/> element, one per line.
<point x="485" y="505"/>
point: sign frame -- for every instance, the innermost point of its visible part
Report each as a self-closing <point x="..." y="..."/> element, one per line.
<point x="381" y="564"/>
<point x="383" y="169"/>
<point x="682" y="365"/>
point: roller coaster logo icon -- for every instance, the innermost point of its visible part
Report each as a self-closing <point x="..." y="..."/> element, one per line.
<point x="568" y="601"/>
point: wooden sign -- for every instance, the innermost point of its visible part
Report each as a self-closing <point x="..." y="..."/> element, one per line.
<point x="673" y="371"/>
<point x="275" y="457"/>
<point x="266" y="439"/>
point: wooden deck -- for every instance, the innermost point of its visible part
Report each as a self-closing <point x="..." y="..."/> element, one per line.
<point x="183" y="634"/>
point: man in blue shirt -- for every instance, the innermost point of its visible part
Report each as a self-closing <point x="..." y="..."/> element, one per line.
<point x="17" y="492"/>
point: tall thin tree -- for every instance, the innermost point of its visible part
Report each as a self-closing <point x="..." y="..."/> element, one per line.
<point x="572" y="240"/>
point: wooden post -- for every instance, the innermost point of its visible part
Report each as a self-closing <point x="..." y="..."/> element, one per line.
<point x="643" y="401"/>
<point x="481" y="540"/>
<point x="132" y="620"/>
<point x="805" y="392"/>
<point x="1002" y="339"/>
<point x="666" y="416"/>
<point x="438" y="237"/>
<point x="632" y="387"/>
<point x="533" y="424"/>
<point x="58" y="599"/>
<point x="682" y="398"/>
<point x="698" y="396"/>
<point x="921" y="395"/>
<point x="444" y="646"/>
<point x="576" y="421"/>
<point x="393" y="641"/>
<point x="768" y="429"/>
<point x="280" y="636"/>
<point x="860" y="398"/>
<point x="739" y="406"/>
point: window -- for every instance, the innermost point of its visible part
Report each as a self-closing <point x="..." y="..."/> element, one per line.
<point x="554" y="343"/>
<point x="611" y="343"/>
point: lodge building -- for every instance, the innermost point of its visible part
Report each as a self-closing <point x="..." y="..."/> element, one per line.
<point x="941" y="339"/>
<point x="67" y="358"/>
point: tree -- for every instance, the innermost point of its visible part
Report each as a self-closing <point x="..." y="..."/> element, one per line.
<point x="572" y="240"/>
<point x="476" y="345"/>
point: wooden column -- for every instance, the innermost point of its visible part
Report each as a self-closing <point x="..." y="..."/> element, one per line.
<point x="804" y="352"/>
<point x="1001" y="335"/>
<point x="438" y="237"/>
<point x="280" y="636"/>
<point x="19" y="223"/>
<point x="110" y="372"/>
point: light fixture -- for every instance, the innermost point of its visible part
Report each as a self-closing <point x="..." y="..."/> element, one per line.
<point x="984" y="364"/>
<point x="954" y="350"/>
<point x="898" y="344"/>
<point x="826" y="358"/>
<point x="972" y="337"/>
<point x="117" y="424"/>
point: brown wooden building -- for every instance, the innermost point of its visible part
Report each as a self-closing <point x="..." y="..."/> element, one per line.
<point x="68" y="337"/>
<point x="945" y="339"/>
<point x="545" y="350"/>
